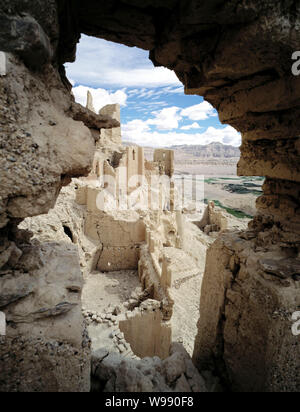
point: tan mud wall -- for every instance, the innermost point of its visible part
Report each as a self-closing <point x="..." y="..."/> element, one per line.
<point x="147" y="334"/>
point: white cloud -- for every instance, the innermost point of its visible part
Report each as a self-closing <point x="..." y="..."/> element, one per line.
<point x="145" y="137"/>
<point x="166" y="119"/>
<point x="100" y="63"/>
<point x="155" y="93"/>
<point x="153" y="77"/>
<point x="134" y="128"/>
<point x="101" y="97"/>
<point x="143" y="89"/>
<point x="173" y="90"/>
<point x="191" y="126"/>
<point x="198" y="112"/>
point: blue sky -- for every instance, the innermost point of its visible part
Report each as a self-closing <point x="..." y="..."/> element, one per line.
<point x="154" y="110"/>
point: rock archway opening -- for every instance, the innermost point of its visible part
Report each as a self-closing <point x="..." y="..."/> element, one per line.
<point x="249" y="97"/>
<point x="169" y="259"/>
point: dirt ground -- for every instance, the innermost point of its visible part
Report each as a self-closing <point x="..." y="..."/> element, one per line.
<point x="186" y="312"/>
<point x="206" y="168"/>
<point x="217" y="188"/>
<point x="104" y="290"/>
<point x="101" y="292"/>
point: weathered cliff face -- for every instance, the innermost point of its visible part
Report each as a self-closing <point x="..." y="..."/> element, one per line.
<point x="45" y="139"/>
<point x="245" y="333"/>
<point x="237" y="54"/>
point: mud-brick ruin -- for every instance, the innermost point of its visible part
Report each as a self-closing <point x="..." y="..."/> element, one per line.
<point x="53" y="240"/>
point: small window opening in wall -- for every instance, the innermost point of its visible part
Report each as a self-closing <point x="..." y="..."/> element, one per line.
<point x="133" y="155"/>
<point x="164" y="156"/>
<point x="69" y="233"/>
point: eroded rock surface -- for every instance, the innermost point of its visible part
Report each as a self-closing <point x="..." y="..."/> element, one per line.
<point x="45" y="140"/>
<point x="112" y="373"/>
<point x="245" y="332"/>
<point x="46" y="340"/>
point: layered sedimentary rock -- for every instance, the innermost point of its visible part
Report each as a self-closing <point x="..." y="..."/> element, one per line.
<point x="238" y="56"/>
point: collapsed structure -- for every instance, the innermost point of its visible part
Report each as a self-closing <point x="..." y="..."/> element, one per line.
<point x="235" y="54"/>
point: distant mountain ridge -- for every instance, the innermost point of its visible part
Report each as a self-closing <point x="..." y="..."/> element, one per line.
<point x="197" y="152"/>
<point x="210" y="151"/>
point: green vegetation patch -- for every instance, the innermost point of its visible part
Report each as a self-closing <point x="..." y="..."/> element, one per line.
<point x="211" y="181"/>
<point x="242" y="190"/>
<point x="234" y="212"/>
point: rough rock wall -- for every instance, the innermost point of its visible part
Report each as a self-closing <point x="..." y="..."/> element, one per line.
<point x="66" y="224"/>
<point x="146" y="331"/>
<point x="46" y="347"/>
<point x="45" y="139"/>
<point x="245" y="333"/>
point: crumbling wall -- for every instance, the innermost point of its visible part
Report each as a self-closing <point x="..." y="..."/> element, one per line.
<point x="213" y="220"/>
<point x="120" y="235"/>
<point x="135" y="166"/>
<point x="165" y="159"/>
<point x="170" y="256"/>
<point x="113" y="135"/>
<point x="146" y="332"/>
<point x="245" y="332"/>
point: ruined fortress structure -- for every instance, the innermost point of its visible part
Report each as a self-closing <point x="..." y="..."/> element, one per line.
<point x="238" y="55"/>
<point x="122" y="170"/>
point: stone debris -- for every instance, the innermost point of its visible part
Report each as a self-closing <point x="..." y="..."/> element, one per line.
<point x="283" y="269"/>
<point x="113" y="373"/>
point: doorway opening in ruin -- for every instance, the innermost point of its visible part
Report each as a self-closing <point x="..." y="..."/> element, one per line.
<point x="162" y="260"/>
